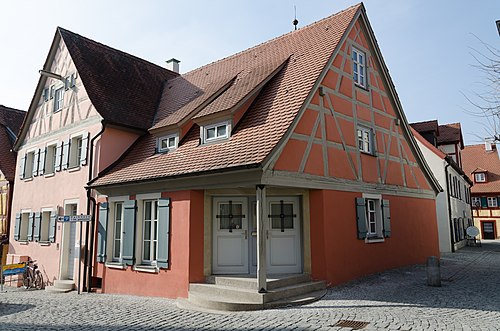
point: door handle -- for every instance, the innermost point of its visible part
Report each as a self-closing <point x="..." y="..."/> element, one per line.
<point x="254" y="233"/>
<point x="246" y="234"/>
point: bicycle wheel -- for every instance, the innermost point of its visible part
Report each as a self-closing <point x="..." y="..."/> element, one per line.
<point x="39" y="280"/>
<point x="26" y="279"/>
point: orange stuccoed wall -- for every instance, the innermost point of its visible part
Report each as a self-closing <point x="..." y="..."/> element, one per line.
<point x="335" y="247"/>
<point x="185" y="260"/>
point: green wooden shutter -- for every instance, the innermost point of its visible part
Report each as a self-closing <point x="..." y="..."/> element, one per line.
<point x="17" y="227"/>
<point x="85" y="144"/>
<point x="128" y="234"/>
<point x="484" y="202"/>
<point x="386" y="215"/>
<point x="52" y="226"/>
<point x="22" y="166"/>
<point x="163" y="232"/>
<point x="36" y="229"/>
<point x="361" y="218"/>
<point x="59" y="149"/>
<point x="65" y="154"/>
<point x="30" y="226"/>
<point x="102" y="228"/>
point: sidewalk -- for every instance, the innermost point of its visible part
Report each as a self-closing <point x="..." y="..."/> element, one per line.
<point x="394" y="300"/>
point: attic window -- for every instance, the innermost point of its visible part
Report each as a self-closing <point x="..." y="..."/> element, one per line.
<point x="167" y="143"/>
<point x="215" y="132"/>
<point x="58" y="98"/>
<point x="359" y="67"/>
<point x="480" y="177"/>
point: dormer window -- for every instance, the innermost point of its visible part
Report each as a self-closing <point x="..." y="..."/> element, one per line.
<point x="480" y="177"/>
<point x="167" y="143"/>
<point x="216" y="132"/>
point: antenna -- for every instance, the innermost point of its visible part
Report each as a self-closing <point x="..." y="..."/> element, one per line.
<point x="295" y="21"/>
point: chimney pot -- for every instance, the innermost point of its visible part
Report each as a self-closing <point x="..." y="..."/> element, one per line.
<point x="173" y="65"/>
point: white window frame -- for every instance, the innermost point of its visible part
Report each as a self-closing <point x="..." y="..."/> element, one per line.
<point x="476" y="200"/>
<point x="168" y="138"/>
<point x="45" y="224"/>
<point x="492" y="202"/>
<point x="50" y="159"/>
<point x="153" y="247"/>
<point x="29" y="165"/>
<point x="217" y="137"/>
<point x="75" y="150"/>
<point x="365" y="139"/>
<point x="359" y="72"/>
<point x="117" y="237"/>
<point x="378" y="234"/>
<point x="24" y="225"/>
<point x="480" y="177"/>
<point x="58" y="99"/>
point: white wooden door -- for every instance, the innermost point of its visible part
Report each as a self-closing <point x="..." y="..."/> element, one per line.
<point x="230" y="235"/>
<point x="71" y="250"/>
<point x="283" y="240"/>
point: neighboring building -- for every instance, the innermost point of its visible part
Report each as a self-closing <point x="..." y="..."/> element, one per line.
<point x="482" y="164"/>
<point x="91" y="103"/>
<point x="448" y="137"/>
<point x="290" y="157"/>
<point x="453" y="206"/>
<point x="10" y="123"/>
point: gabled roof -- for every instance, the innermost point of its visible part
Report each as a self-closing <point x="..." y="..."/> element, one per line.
<point x="426" y="126"/>
<point x="427" y="144"/>
<point x="450" y="134"/>
<point x="476" y="157"/>
<point x="10" y="123"/>
<point x="124" y="89"/>
<point x="265" y="122"/>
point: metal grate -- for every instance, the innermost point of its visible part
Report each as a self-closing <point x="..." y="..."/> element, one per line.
<point x="355" y="325"/>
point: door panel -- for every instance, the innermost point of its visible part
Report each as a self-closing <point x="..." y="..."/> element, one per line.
<point x="283" y="242"/>
<point x="488" y="230"/>
<point x="71" y="250"/>
<point x="230" y="235"/>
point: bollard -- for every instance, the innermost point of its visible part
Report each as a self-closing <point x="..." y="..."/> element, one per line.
<point x="433" y="271"/>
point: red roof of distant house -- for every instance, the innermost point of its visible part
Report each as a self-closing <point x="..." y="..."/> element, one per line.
<point x="426" y="126"/>
<point x="10" y="122"/>
<point x="265" y="122"/>
<point x="476" y="157"/>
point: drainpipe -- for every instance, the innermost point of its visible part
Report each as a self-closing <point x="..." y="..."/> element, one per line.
<point x="87" y="262"/>
<point x="448" y="185"/>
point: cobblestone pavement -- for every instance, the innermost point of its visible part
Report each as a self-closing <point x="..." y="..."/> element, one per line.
<point x="396" y="300"/>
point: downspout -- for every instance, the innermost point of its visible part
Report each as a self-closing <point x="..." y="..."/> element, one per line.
<point x="448" y="185"/>
<point x="87" y="262"/>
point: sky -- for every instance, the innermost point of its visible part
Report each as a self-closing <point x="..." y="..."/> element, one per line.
<point x="426" y="44"/>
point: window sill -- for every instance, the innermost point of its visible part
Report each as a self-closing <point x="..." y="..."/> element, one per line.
<point x="374" y="240"/>
<point x="147" y="268"/>
<point x="29" y="179"/>
<point x="23" y="242"/>
<point x="115" y="265"/>
<point x="362" y="87"/>
<point x="367" y="153"/>
<point x="44" y="243"/>
<point x="52" y="174"/>
<point x="74" y="168"/>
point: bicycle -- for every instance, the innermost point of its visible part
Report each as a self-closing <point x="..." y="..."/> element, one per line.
<point x="32" y="277"/>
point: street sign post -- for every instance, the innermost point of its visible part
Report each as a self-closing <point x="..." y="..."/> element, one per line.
<point x="74" y="218"/>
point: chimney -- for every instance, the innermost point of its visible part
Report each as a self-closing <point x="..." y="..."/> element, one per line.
<point x="173" y="65"/>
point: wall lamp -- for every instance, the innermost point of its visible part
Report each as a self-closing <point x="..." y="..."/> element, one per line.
<point x="51" y="74"/>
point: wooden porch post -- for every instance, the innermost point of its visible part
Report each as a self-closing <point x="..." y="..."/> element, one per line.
<point x="261" y="239"/>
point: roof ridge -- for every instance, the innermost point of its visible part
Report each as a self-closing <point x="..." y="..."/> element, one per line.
<point x="308" y="26"/>
<point x="13" y="109"/>
<point x="134" y="57"/>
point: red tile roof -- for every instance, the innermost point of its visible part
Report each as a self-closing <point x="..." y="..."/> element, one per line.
<point x="450" y="134"/>
<point x="10" y="124"/>
<point x="426" y="126"/>
<point x="427" y="144"/>
<point x="124" y="89"/>
<point x="474" y="157"/>
<point x="265" y="122"/>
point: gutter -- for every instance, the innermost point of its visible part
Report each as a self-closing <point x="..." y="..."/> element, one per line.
<point x="87" y="262"/>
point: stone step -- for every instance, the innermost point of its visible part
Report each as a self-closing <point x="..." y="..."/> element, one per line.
<point x="250" y="283"/>
<point x="229" y="298"/>
<point x="54" y="289"/>
<point x="64" y="284"/>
